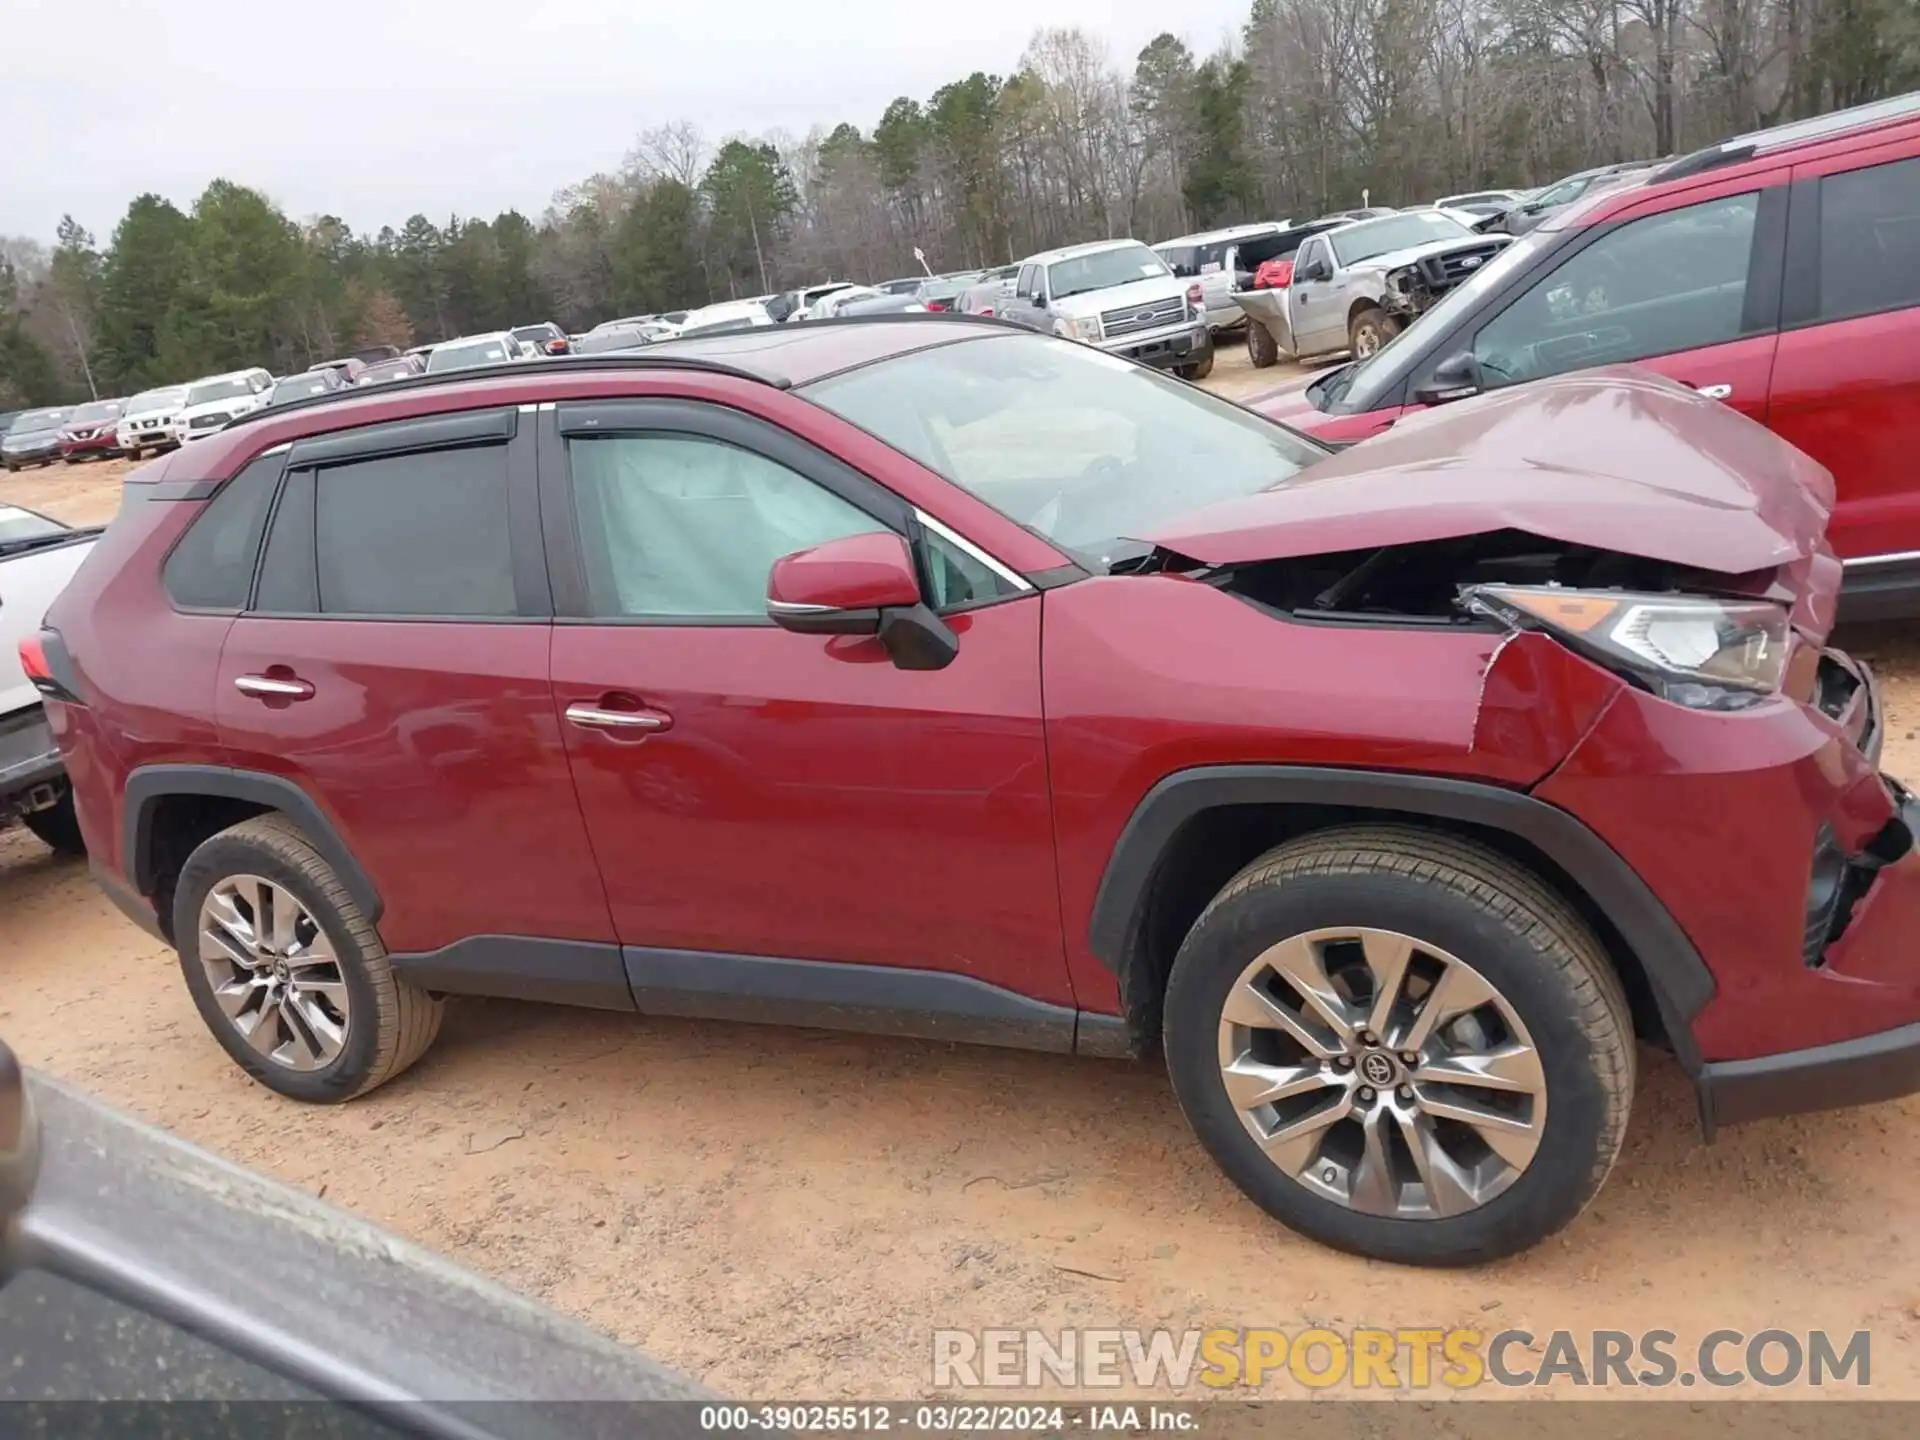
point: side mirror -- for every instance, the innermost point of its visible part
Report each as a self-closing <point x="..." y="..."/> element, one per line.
<point x="1039" y="301"/>
<point x="1454" y="378"/>
<point x="861" y="585"/>
<point x="1315" y="270"/>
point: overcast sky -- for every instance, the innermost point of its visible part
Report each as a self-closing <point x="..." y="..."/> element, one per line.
<point x="375" y="109"/>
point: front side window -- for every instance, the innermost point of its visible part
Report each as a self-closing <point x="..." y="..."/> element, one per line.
<point x="1664" y="283"/>
<point x="421" y="535"/>
<point x="1086" y="449"/>
<point x="1870" y="240"/>
<point x="676" y="526"/>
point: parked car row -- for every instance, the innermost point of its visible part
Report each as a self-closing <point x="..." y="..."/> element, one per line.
<point x="1778" y="273"/>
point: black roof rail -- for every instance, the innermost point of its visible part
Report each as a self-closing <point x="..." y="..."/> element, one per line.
<point x="1711" y="158"/>
<point x="611" y="360"/>
<point x="1793" y="132"/>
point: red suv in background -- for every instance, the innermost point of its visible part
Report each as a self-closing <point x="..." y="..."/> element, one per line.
<point x="1779" y="272"/>
<point x="942" y="678"/>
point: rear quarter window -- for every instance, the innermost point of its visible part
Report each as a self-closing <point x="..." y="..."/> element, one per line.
<point x="1870" y="240"/>
<point x="211" y="568"/>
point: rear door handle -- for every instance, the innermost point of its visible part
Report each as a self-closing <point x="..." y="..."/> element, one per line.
<point x="594" y="717"/>
<point x="269" y="687"/>
<point x="1715" y="392"/>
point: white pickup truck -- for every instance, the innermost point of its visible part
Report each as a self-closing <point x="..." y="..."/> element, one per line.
<point x="38" y="555"/>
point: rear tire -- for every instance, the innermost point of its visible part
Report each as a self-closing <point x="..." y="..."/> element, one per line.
<point x="375" y="1023"/>
<point x="1370" y="330"/>
<point x="1553" y="1030"/>
<point x="58" y="827"/>
<point x="1262" y="349"/>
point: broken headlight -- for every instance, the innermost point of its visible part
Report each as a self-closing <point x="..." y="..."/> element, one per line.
<point x="1703" y="653"/>
<point x="1400" y="281"/>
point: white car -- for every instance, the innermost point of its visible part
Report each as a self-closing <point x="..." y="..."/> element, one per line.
<point x="38" y="555"/>
<point x="1223" y="261"/>
<point x="831" y="303"/>
<point x="212" y="401"/>
<point x="727" y="315"/>
<point x="466" y="351"/>
<point x="151" y="421"/>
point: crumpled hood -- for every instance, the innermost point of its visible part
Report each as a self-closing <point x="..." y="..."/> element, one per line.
<point x="1393" y="259"/>
<point x="1618" y="459"/>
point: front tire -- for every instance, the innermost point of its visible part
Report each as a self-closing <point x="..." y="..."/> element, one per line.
<point x="1201" y="371"/>
<point x="1403" y="1045"/>
<point x="1369" y="331"/>
<point x="288" y="974"/>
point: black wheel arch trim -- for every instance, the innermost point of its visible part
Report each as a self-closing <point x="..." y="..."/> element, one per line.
<point x="1680" y="980"/>
<point x="150" y="784"/>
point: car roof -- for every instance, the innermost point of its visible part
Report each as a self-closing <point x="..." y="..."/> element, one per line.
<point x="1072" y="252"/>
<point x="1230" y="232"/>
<point x="783" y="356"/>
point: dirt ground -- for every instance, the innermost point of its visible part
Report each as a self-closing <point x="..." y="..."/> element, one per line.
<point x="785" y="1213"/>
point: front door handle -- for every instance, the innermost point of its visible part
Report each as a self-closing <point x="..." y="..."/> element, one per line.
<point x="595" y="717"/>
<point x="273" y="687"/>
<point x="1715" y="392"/>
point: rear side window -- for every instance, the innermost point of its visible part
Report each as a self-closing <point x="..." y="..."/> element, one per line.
<point x="1181" y="260"/>
<point x="422" y="535"/>
<point x="1870" y="240"/>
<point x="212" y="566"/>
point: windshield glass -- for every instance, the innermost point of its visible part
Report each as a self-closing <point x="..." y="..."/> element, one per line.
<point x="1395" y="232"/>
<point x="297" y="387"/>
<point x="17" y="525"/>
<point x="1360" y="387"/>
<point x="1102" y="270"/>
<point x="1085" y="448"/>
<point x="459" y="357"/>
<point x="217" y="390"/>
<point x="147" y="400"/>
<point x="94" y="413"/>
<point x="29" y="420"/>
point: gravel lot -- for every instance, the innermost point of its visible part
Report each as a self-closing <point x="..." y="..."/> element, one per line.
<point x="788" y="1213"/>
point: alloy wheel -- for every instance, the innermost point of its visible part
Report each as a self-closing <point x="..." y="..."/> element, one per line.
<point x="273" y="972"/>
<point x="1366" y="342"/>
<point x="1382" y="1073"/>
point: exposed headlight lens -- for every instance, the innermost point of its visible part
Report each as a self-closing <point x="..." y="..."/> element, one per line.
<point x="1699" y="652"/>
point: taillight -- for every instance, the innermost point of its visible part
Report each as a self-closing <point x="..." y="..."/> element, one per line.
<point x="39" y="669"/>
<point x="936" y="304"/>
<point x="1196" y="297"/>
<point x="556" y="347"/>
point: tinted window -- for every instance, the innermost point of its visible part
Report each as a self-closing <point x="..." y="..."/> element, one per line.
<point x="415" y="535"/>
<point x="678" y="525"/>
<point x="1180" y="259"/>
<point x="1870" y="240"/>
<point x="1669" y="282"/>
<point x="212" y="566"/>
<point x="958" y="578"/>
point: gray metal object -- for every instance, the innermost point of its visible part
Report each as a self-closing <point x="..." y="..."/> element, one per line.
<point x="1382" y="1074"/>
<point x="136" y="1267"/>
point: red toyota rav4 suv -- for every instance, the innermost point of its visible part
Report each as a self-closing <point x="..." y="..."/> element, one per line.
<point x="939" y="677"/>
<point x="1779" y="272"/>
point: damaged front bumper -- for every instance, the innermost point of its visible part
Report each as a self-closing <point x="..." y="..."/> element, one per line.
<point x="1791" y="864"/>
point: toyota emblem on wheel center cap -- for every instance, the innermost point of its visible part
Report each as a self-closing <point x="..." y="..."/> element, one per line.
<point x="1377" y="1070"/>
